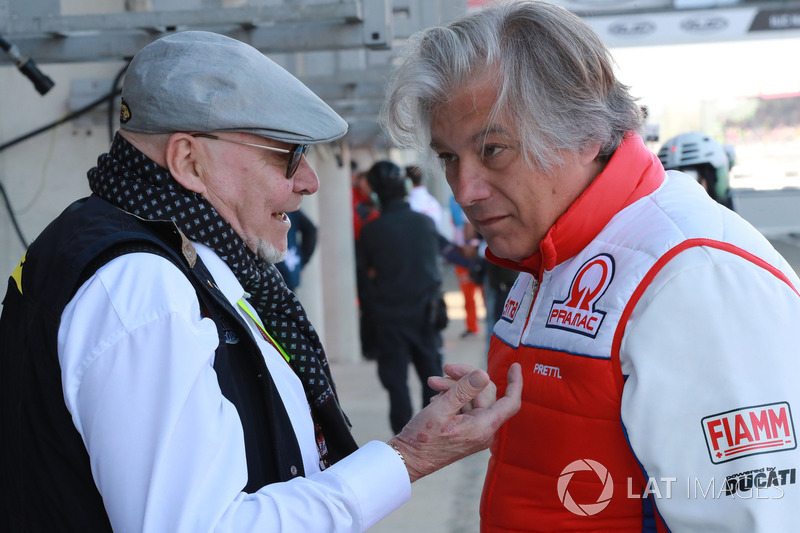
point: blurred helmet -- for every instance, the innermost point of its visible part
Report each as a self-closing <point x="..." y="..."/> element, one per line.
<point x="730" y="151"/>
<point x="691" y="149"/>
<point x="698" y="154"/>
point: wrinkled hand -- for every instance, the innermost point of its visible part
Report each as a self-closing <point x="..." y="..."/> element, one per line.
<point x="460" y="422"/>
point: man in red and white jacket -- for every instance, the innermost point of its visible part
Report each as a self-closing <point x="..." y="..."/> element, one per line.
<point x="654" y="326"/>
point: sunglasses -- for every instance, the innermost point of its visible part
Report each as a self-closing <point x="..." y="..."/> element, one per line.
<point x="295" y="154"/>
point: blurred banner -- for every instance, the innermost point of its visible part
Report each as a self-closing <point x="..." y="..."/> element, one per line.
<point x="657" y="22"/>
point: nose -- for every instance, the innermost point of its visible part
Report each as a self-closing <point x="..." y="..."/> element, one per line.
<point x="468" y="184"/>
<point x="306" y="181"/>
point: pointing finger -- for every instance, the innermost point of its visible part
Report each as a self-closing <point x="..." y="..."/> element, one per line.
<point x="514" y="377"/>
<point x="508" y="405"/>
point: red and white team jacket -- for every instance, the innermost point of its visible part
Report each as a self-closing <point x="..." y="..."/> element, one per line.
<point x="659" y="336"/>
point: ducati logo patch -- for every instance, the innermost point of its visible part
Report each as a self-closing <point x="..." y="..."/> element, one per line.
<point x="577" y="313"/>
<point x="749" y="431"/>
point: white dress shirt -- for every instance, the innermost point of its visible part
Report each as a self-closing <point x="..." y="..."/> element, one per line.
<point x="166" y="447"/>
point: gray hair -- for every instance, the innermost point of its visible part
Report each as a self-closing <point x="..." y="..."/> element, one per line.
<point x="554" y="77"/>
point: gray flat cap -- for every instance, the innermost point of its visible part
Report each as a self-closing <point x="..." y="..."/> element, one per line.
<point x="201" y="81"/>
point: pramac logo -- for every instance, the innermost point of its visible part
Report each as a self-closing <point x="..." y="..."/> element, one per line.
<point x="577" y="313"/>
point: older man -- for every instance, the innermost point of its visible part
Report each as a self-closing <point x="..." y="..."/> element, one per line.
<point x="157" y="375"/>
<point x="654" y="326"/>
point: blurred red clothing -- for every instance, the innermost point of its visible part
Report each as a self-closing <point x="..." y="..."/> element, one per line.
<point x="363" y="210"/>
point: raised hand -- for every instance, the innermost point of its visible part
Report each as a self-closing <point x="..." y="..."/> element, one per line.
<point x="460" y="422"/>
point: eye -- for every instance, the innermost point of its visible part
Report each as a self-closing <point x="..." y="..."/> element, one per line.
<point x="446" y="157"/>
<point x="492" y="150"/>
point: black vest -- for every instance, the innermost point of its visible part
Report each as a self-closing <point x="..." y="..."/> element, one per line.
<point x="46" y="482"/>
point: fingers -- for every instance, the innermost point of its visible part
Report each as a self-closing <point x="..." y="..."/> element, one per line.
<point x="514" y="377"/>
<point x="458" y="370"/>
<point x="453" y="372"/>
<point x="455" y="425"/>
<point x="441" y="383"/>
<point x="508" y="405"/>
<point x="467" y="388"/>
<point x="487" y="396"/>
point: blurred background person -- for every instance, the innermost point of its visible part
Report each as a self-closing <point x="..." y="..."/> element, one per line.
<point x="364" y="210"/>
<point x="301" y="242"/>
<point x="467" y="270"/>
<point x="703" y="158"/>
<point x="420" y="199"/>
<point x="400" y="269"/>
<point x="497" y="283"/>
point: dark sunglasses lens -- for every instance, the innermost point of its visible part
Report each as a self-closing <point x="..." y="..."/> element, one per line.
<point x="296" y="156"/>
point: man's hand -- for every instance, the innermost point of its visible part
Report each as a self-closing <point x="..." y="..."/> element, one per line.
<point x="454" y="372"/>
<point x="460" y="422"/>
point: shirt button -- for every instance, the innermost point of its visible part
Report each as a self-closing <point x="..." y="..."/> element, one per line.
<point x="293" y="470"/>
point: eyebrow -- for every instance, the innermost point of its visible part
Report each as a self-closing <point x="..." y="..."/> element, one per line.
<point x="491" y="130"/>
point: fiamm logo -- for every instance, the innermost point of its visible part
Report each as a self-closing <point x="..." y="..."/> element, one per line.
<point x="749" y="431"/>
<point x="577" y="313"/>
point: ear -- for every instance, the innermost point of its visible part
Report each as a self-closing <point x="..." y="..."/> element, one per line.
<point x="589" y="153"/>
<point x="184" y="155"/>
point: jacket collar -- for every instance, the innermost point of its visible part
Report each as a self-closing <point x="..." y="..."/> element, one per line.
<point x="395" y="204"/>
<point x="632" y="173"/>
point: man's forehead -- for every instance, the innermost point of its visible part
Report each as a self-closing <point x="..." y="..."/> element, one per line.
<point x="472" y="94"/>
<point x="473" y="104"/>
<point x="479" y="136"/>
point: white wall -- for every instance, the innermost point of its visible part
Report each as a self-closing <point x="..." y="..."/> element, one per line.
<point x="42" y="175"/>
